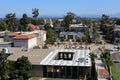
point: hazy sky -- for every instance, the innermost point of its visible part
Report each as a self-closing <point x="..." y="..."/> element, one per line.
<point x="60" y="7"/>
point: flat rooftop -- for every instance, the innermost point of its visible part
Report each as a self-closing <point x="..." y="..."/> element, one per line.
<point x="34" y="55"/>
<point x="77" y="25"/>
<point x="48" y="56"/>
<point x="80" y="58"/>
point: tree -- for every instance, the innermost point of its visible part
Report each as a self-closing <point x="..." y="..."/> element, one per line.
<point x="93" y="56"/>
<point x="3" y="66"/>
<point x="3" y="25"/>
<point x="51" y="37"/>
<point x="24" y="21"/>
<point x="118" y="21"/>
<point x="107" y="59"/>
<point x="68" y="19"/>
<point x="23" y="67"/>
<point x="12" y="72"/>
<point x="35" y="13"/>
<point x="11" y="21"/>
<point x="37" y="21"/>
<point x="104" y="20"/>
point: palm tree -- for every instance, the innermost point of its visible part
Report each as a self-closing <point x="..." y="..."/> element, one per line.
<point x="93" y="56"/>
<point x="107" y="59"/>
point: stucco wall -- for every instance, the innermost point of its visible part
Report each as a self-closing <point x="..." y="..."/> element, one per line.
<point x="32" y="42"/>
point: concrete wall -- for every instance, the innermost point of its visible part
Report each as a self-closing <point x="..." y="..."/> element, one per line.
<point x="21" y="43"/>
<point x="32" y="42"/>
<point x="26" y="43"/>
<point x="5" y="45"/>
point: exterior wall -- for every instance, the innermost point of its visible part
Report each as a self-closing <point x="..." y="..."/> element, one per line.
<point x="21" y="43"/>
<point x="5" y="45"/>
<point x="74" y="34"/>
<point x="1" y="39"/>
<point x="44" y="37"/>
<point x="37" y="71"/>
<point x="32" y="42"/>
<point x="10" y="39"/>
<point x="117" y="37"/>
<point x="26" y="43"/>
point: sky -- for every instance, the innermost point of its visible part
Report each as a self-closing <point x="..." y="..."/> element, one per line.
<point x="60" y="7"/>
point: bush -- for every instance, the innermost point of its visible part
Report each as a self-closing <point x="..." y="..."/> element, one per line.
<point x="99" y="42"/>
<point x="36" y="47"/>
<point x="45" y="47"/>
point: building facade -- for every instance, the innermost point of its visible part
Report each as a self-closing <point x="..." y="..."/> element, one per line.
<point x="26" y="41"/>
<point x="58" y="63"/>
<point x="70" y="35"/>
<point x="117" y="34"/>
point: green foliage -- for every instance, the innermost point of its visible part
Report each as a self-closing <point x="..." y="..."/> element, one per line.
<point x="68" y="19"/>
<point x="98" y="42"/>
<point x="107" y="58"/>
<point x="118" y="22"/>
<point x="11" y="21"/>
<point x="36" y="47"/>
<point x="3" y="66"/>
<point x="93" y="56"/>
<point x="37" y="21"/>
<point x="3" y="25"/>
<point x="35" y="12"/>
<point x="115" y="73"/>
<point x="45" y="47"/>
<point x="104" y="19"/>
<point x="24" y="21"/>
<point x="20" y="69"/>
<point x="107" y="28"/>
<point x="12" y="72"/>
<point x="23" y="67"/>
<point x="86" y="22"/>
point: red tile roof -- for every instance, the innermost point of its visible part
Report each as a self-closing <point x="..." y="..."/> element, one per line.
<point x="13" y="34"/>
<point x="33" y="27"/>
<point x="25" y="36"/>
<point x="103" y="73"/>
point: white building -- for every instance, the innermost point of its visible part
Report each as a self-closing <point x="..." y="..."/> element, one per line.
<point x="78" y="27"/>
<point x="25" y="40"/>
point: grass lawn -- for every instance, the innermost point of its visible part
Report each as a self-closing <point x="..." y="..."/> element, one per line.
<point x="115" y="73"/>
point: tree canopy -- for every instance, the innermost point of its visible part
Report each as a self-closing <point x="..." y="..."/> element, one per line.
<point x="35" y="12"/>
<point x="11" y="21"/>
<point x="68" y="19"/>
<point x="3" y="66"/>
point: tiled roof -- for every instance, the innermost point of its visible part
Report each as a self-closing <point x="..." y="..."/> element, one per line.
<point x="33" y="27"/>
<point x="25" y="36"/>
<point x="14" y="34"/>
<point x="103" y="73"/>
